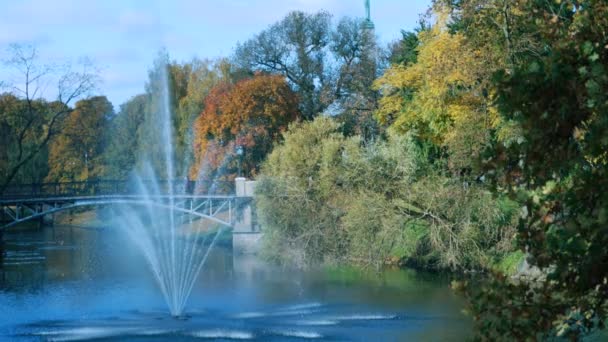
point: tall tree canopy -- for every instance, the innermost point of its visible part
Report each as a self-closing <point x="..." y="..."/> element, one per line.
<point x="77" y="153"/>
<point x="296" y="48"/>
<point x="187" y="86"/>
<point x="330" y="67"/>
<point x="251" y="114"/>
<point x="441" y="95"/>
<point x="358" y="64"/>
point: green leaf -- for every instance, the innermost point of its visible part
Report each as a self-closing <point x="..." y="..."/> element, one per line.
<point x="594" y="57"/>
<point x="587" y="48"/>
<point x="583" y="71"/>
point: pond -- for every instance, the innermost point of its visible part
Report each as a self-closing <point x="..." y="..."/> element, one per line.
<point x="70" y="283"/>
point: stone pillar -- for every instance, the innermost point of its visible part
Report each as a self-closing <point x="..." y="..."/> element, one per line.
<point x="245" y="238"/>
<point x="240" y="186"/>
<point x="243" y="223"/>
<point x="249" y="188"/>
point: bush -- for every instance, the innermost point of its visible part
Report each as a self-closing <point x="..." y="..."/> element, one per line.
<point x="323" y="197"/>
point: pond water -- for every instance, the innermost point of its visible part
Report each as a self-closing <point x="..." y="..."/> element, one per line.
<point x="68" y="283"/>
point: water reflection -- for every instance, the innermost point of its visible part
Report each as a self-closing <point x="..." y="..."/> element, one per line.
<point x="71" y="283"/>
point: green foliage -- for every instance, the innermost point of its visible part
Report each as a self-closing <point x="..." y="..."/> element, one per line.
<point x="27" y="122"/>
<point x="295" y="47"/>
<point x="299" y="226"/>
<point x="324" y="197"/>
<point x="553" y="91"/>
<point x="120" y="156"/>
<point x="13" y="122"/>
<point x="331" y="68"/>
<point x="510" y="263"/>
<point x="405" y="50"/>
<point x="525" y="315"/>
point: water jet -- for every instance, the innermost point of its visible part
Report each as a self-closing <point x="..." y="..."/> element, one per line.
<point x="174" y="243"/>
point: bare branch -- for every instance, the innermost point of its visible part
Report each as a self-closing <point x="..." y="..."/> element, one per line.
<point x="38" y="120"/>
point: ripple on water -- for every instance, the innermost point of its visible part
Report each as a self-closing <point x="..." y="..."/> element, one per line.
<point x="83" y="333"/>
<point x="154" y="332"/>
<point x="221" y="333"/>
<point x="316" y="322"/>
<point x="298" y="333"/>
<point x="254" y="314"/>
<point x="363" y="317"/>
<point x="303" y="306"/>
<point x="294" y="313"/>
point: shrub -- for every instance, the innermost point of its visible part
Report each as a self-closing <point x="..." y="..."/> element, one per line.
<point x="323" y="197"/>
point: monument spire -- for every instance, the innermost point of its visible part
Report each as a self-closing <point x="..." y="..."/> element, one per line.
<point x="368" y="24"/>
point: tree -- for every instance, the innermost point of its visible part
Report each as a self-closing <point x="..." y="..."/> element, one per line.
<point x="331" y="68"/>
<point x="120" y="155"/>
<point x="162" y="93"/>
<point x="556" y="94"/>
<point x="35" y="122"/>
<point x="204" y="75"/>
<point x="441" y="97"/>
<point x="405" y="50"/>
<point x="325" y="197"/>
<point x="10" y="123"/>
<point x="76" y="154"/>
<point x="251" y="114"/>
<point x="500" y="26"/>
<point x="183" y="86"/>
<point x="296" y="48"/>
<point x="358" y="56"/>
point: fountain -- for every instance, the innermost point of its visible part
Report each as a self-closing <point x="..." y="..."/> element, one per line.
<point x="173" y="243"/>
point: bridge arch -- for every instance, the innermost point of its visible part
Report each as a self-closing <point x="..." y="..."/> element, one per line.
<point x="202" y="210"/>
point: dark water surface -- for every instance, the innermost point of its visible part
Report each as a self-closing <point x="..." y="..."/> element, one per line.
<point x="79" y="284"/>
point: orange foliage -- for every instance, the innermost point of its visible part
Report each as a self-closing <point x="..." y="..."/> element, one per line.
<point x="252" y="113"/>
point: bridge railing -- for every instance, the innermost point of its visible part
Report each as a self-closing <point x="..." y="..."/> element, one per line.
<point x="116" y="187"/>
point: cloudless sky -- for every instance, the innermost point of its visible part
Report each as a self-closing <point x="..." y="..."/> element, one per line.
<point x="122" y="37"/>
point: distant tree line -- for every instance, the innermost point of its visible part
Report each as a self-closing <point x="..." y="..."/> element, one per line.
<point x="296" y="69"/>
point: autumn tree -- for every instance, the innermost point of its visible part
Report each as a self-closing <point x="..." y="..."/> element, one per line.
<point x="203" y="76"/>
<point x="35" y="122"/>
<point x="441" y="94"/>
<point x="186" y="85"/>
<point x="330" y="67"/>
<point x="252" y="114"/>
<point x="76" y="154"/>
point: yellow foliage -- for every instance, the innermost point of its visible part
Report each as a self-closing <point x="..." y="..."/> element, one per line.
<point x="442" y="91"/>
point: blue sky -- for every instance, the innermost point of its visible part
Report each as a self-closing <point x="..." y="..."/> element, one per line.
<point x="122" y="37"/>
